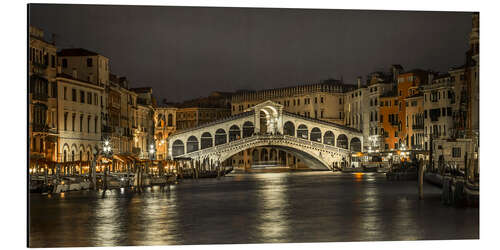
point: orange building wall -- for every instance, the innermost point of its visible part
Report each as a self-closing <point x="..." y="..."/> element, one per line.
<point x="389" y="129"/>
<point x="404" y="84"/>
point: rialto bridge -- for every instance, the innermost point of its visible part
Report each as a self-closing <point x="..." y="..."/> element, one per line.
<point x="319" y="144"/>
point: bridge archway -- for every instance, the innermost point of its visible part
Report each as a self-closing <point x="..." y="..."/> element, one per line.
<point x="315" y="134"/>
<point x="248" y="129"/>
<point x="289" y="128"/>
<point x="177" y="148"/>
<point x="302" y="132"/>
<point x="206" y="140"/>
<point x="273" y="155"/>
<point x="355" y="144"/>
<point x="255" y="155"/>
<point x="263" y="155"/>
<point x="342" y="141"/>
<point x="192" y="144"/>
<point x="234" y="133"/>
<point x="220" y="137"/>
<point x="329" y="138"/>
<point x="309" y="159"/>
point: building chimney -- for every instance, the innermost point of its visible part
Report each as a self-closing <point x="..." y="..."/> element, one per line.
<point x="430" y="77"/>
<point x="359" y="82"/>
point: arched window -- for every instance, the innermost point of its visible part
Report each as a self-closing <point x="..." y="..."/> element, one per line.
<point x="355" y="144"/>
<point x="170" y="120"/>
<point x="177" y="148"/>
<point x="289" y="128"/>
<point x="342" y="141"/>
<point x="192" y="144"/>
<point x="248" y="129"/>
<point x="316" y="135"/>
<point x="302" y="132"/>
<point x="234" y="133"/>
<point x="220" y="137"/>
<point x="329" y="138"/>
<point x="206" y="140"/>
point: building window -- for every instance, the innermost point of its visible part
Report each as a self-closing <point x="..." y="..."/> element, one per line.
<point x="321" y="99"/>
<point x="73" y="122"/>
<point x="456" y="152"/>
<point x="321" y="114"/>
<point x="73" y="95"/>
<point x="64" y="63"/>
<point x="82" y="96"/>
<point x="88" y="124"/>
<point x="52" y="61"/>
<point x="89" y="98"/>
<point x="95" y="124"/>
<point x="89" y="62"/>
<point x="315" y="99"/>
<point x="81" y="123"/>
<point x="64" y="94"/>
<point x="65" y="120"/>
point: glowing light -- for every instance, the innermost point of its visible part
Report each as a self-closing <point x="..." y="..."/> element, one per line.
<point x="358" y="175"/>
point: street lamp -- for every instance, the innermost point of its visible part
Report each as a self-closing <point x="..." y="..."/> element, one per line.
<point x="152" y="151"/>
<point x="107" y="151"/>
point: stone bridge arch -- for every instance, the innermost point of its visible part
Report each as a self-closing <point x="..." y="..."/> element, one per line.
<point x="313" y="154"/>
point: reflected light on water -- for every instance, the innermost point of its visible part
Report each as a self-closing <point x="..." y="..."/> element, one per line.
<point x="273" y="208"/>
<point x="160" y="218"/>
<point x="107" y="230"/>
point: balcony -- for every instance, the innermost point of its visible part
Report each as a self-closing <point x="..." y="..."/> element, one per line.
<point x="39" y="66"/>
<point x="107" y="129"/>
<point x="417" y="126"/>
<point x="38" y="127"/>
<point x="40" y="96"/>
<point x="136" y="151"/>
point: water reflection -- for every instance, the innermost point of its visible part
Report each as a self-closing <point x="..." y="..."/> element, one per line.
<point x="250" y="208"/>
<point x="108" y="224"/>
<point x="273" y="207"/>
<point x="160" y="218"/>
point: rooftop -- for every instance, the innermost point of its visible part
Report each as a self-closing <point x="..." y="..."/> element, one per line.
<point x="142" y="90"/>
<point x="76" y="52"/>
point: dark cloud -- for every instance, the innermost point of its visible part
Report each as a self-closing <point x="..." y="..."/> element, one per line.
<point x="188" y="52"/>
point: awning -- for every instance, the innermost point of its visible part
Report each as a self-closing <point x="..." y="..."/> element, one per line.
<point x="120" y="158"/>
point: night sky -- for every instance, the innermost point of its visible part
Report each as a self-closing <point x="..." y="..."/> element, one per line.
<point x="184" y="53"/>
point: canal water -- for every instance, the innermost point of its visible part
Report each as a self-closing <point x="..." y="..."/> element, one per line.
<point x="251" y="208"/>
